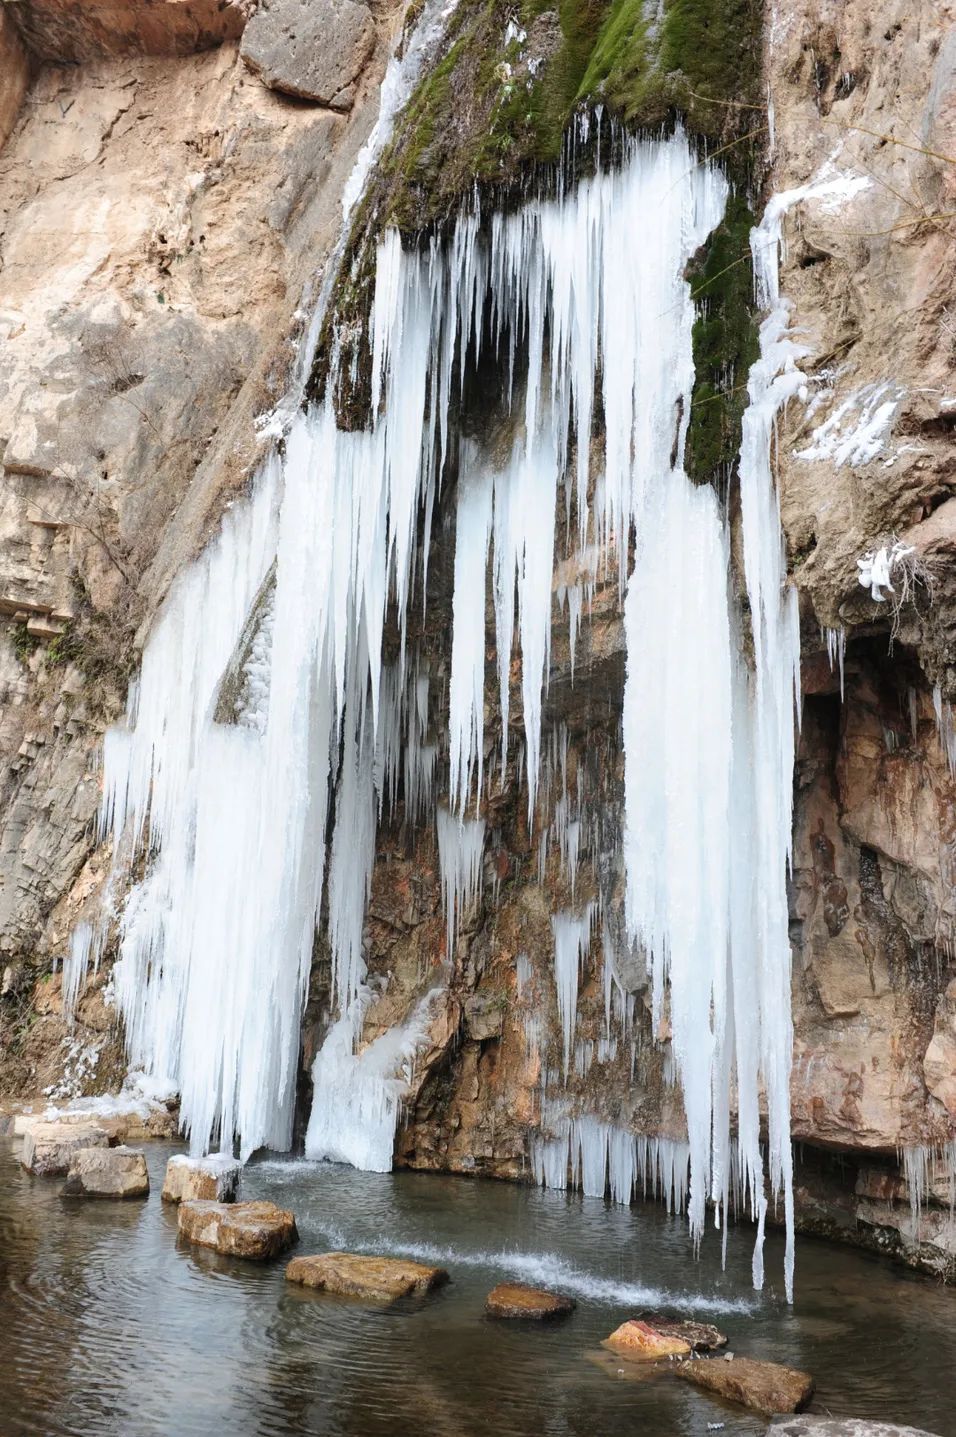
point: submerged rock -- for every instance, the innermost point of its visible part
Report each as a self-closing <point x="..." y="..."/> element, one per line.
<point x="107" y="1172"/>
<point x="357" y="1275"/>
<point x="48" y="1148"/>
<point x="315" y="52"/>
<point x="701" y="1336"/>
<point x="210" y="1179"/>
<point x="256" y="1230"/>
<point x="514" y="1299"/>
<point x="767" y="1387"/>
<point x="638" y="1339"/>
<point x="841" y="1427"/>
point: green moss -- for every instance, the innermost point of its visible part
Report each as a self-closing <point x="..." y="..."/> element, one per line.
<point x="493" y="114"/>
<point x="24" y="643"/>
<point x="725" y="345"/>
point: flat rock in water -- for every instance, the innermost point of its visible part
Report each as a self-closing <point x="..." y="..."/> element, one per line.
<point x="701" y="1336"/>
<point x="315" y="52"/>
<point x="514" y="1299"/>
<point x="840" y="1427"/>
<point x="211" y="1179"/>
<point x="764" y="1386"/>
<point x="48" y="1148"/>
<point x="107" y="1172"/>
<point x="256" y="1230"/>
<point x="639" y="1339"/>
<point x="358" y="1275"/>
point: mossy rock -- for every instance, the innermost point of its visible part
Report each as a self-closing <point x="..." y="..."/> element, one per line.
<point x="492" y="118"/>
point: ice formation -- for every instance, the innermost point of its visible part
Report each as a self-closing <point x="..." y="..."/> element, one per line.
<point x="857" y="430"/>
<point x="835" y="640"/>
<point x="876" y="568"/>
<point x="284" y="721"/>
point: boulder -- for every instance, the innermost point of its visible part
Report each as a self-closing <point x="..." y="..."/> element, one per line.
<point x="256" y="1230"/>
<point x="107" y="1172"/>
<point x="639" y="1339"/>
<point x="214" y="1178"/>
<point x="121" y="1125"/>
<point x="701" y="1336"/>
<point x="514" y="1299"/>
<point x="48" y="1148"/>
<point x="764" y="1386"/>
<point x="841" y="1427"/>
<point x="350" y="1274"/>
<point x="315" y="51"/>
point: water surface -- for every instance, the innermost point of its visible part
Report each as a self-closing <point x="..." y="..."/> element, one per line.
<point x="111" y="1328"/>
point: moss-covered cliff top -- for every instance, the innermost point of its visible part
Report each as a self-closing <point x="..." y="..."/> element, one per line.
<point x="499" y="102"/>
<point x="495" y="115"/>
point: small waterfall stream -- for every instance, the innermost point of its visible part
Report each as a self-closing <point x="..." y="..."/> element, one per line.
<point x="265" y="707"/>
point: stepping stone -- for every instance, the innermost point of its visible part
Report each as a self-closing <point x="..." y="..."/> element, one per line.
<point x="214" y="1178"/>
<point x="107" y="1172"/>
<point x="356" y="1275"/>
<point x="514" y="1299"/>
<point x="701" y="1335"/>
<point x="765" y="1387"/>
<point x="256" y="1230"/>
<point x="48" y="1148"/>
<point x="639" y="1339"/>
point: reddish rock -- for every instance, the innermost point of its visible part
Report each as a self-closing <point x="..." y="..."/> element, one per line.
<point x="764" y="1386"/>
<point x="701" y="1336"/>
<point x="639" y="1339"/>
<point x="357" y="1275"/>
<point x="514" y="1299"/>
<point x="256" y="1230"/>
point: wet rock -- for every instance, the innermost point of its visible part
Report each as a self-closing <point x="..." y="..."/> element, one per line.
<point x="767" y="1387"/>
<point x="315" y="51"/>
<point x="840" y="1427"/>
<point x="701" y="1336"/>
<point x="107" y="1172"/>
<point x="214" y="1178"/>
<point x="514" y="1299"/>
<point x="639" y="1339"/>
<point x="357" y="1275"/>
<point x="48" y="1148"/>
<point x="256" y="1230"/>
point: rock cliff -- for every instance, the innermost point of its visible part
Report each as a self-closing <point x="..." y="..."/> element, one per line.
<point x="170" y="191"/>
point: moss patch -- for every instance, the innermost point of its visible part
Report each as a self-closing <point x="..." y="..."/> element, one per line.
<point x="493" y="116"/>
<point x="725" y="346"/>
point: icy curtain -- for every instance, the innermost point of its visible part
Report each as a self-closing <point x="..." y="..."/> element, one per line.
<point x="265" y="707"/>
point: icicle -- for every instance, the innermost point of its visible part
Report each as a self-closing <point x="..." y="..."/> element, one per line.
<point x="467" y="690"/>
<point x="572" y="939"/>
<point x="358" y="1098"/>
<point x="460" y="846"/>
<point x="836" y="650"/>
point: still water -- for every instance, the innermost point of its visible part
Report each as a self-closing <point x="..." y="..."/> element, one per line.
<point x="110" y="1328"/>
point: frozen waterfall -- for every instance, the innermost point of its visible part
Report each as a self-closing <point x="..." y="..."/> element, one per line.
<point x="266" y="715"/>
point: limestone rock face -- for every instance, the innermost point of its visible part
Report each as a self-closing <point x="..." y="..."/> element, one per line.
<point x="162" y="219"/>
<point x="14" y="73"/>
<point x="313" y="49"/>
<point x="210" y="1179"/>
<point x="355" y="1275"/>
<point x="72" y="31"/>
<point x="515" y="1300"/>
<point x="256" y="1230"/>
<point x="48" y="1148"/>
<point x="107" y="1172"/>
<point x="765" y="1387"/>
